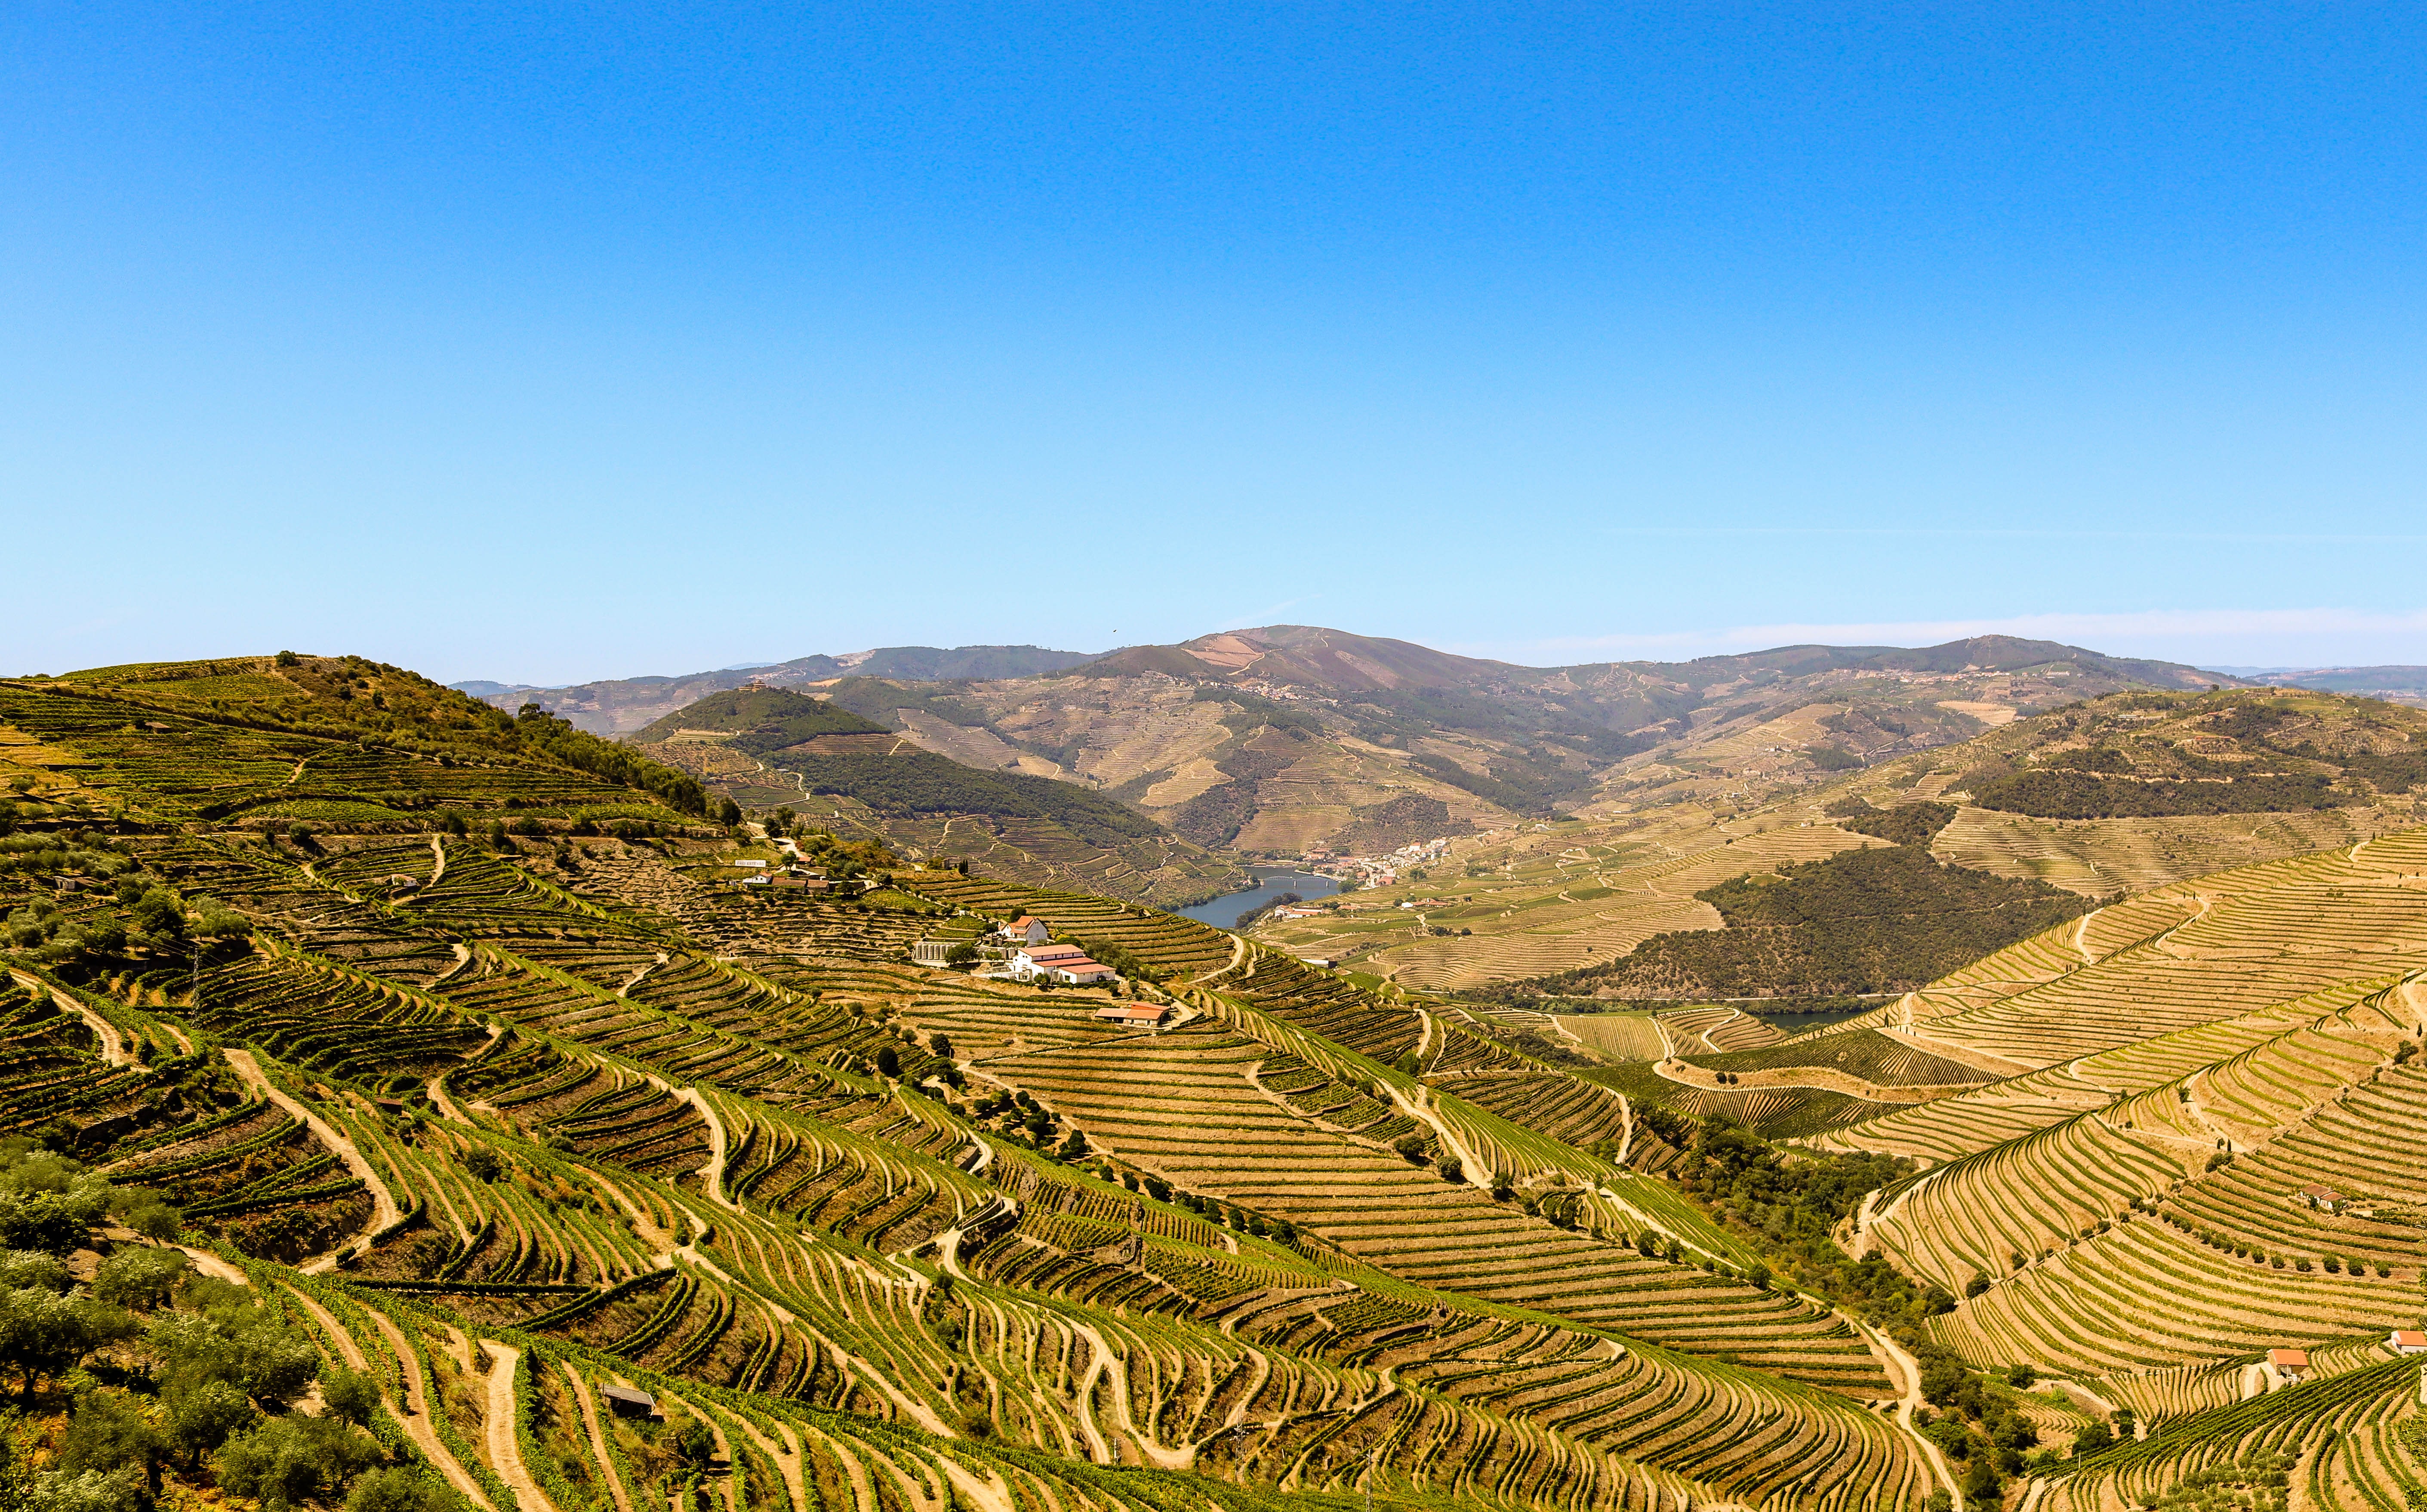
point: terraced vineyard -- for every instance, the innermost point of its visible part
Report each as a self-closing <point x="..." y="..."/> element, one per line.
<point x="510" y="1119"/>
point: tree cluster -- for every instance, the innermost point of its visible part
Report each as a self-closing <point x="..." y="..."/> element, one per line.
<point x="2073" y="794"/>
<point x="544" y="732"/>
<point x="1882" y="919"/>
<point x="922" y="782"/>
<point x="1904" y="825"/>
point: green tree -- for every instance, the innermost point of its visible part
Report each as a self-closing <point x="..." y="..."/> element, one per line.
<point x="353" y="1395"/>
<point x="141" y="1277"/>
<point x="49" y="1204"/>
<point x="204" y="1416"/>
<point x="1980" y="1481"/>
<point x="108" y="1432"/>
<point x="291" y="1460"/>
<point x="43" y="1333"/>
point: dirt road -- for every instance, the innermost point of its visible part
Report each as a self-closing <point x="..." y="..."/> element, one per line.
<point x="384" y="1208"/>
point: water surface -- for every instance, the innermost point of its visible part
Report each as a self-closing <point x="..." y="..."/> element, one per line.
<point x="1223" y="912"/>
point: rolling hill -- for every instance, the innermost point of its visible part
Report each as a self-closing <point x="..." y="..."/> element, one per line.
<point x="2395" y="685"/>
<point x="496" y="1094"/>
<point x="2211" y="779"/>
<point x="621" y="705"/>
<point x="1274" y="742"/>
<point x="769" y="748"/>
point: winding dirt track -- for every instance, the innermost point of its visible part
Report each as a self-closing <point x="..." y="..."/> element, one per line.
<point x="416" y="1416"/>
<point x="112" y="1051"/>
<point x="384" y="1208"/>
<point x="505" y="1445"/>
<point x="1909" y="1369"/>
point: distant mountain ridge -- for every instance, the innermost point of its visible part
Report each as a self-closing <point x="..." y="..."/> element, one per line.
<point x="622" y="704"/>
<point x="1276" y="739"/>
<point x="2400" y="685"/>
<point x="1309" y="656"/>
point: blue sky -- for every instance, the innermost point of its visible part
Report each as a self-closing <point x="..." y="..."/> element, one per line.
<point x="551" y="344"/>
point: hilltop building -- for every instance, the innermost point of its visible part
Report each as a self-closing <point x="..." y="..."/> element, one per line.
<point x="1059" y="963"/>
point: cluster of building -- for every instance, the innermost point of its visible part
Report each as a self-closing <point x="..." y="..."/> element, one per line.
<point x="757" y="873"/>
<point x="1023" y="951"/>
<point x="2291" y="1367"/>
<point x="1357" y="872"/>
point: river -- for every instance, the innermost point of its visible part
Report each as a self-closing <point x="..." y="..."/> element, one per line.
<point x="1223" y="912"/>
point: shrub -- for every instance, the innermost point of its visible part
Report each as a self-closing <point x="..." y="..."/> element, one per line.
<point x="22" y="1268"/>
<point x="397" y="1490"/>
<point x="89" y="1491"/>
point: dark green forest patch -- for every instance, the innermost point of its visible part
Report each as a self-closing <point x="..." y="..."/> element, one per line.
<point x="1888" y="918"/>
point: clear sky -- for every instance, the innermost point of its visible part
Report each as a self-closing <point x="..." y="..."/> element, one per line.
<point x="548" y="344"/>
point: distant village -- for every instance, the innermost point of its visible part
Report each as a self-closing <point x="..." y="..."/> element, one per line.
<point x="799" y="878"/>
<point x="1356" y="872"/>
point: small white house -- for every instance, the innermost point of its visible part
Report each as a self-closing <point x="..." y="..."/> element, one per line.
<point x="2408" y="1342"/>
<point x="1041" y="958"/>
<point x="1028" y="929"/>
